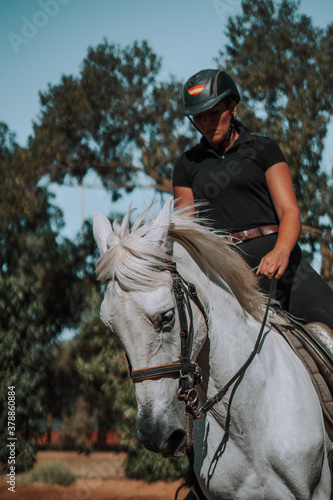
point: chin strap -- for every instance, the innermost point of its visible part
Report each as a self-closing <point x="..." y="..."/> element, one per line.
<point x="228" y="136"/>
<point x="194" y="125"/>
<point x="231" y="130"/>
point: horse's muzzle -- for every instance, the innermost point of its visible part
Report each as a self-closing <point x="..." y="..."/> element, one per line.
<point x="169" y="442"/>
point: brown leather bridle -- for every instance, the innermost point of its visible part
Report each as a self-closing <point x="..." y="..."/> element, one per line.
<point x="184" y="293"/>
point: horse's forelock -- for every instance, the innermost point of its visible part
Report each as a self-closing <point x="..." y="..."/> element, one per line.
<point x="131" y="259"/>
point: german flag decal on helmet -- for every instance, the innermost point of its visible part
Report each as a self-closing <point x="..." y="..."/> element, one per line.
<point x="196" y="89"/>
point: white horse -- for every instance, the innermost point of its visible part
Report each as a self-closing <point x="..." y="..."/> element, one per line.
<point x="270" y="443"/>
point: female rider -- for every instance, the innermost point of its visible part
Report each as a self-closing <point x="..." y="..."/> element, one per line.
<point x="246" y="181"/>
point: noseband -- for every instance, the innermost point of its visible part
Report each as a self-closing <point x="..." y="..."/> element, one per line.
<point x="184" y="293"/>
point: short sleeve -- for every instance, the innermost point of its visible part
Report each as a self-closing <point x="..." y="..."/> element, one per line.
<point x="270" y="153"/>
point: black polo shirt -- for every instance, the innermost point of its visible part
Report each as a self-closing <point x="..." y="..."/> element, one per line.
<point x="233" y="184"/>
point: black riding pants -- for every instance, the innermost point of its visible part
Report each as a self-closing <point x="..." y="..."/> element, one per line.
<point x="301" y="290"/>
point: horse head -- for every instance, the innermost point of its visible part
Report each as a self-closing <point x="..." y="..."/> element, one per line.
<point x="140" y="309"/>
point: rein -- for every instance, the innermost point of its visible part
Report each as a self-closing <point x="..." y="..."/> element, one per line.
<point x="240" y="373"/>
<point x="184" y="293"/>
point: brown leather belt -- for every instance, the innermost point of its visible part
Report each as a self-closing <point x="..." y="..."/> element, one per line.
<point x="256" y="232"/>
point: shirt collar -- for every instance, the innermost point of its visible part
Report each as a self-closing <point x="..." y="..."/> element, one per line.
<point x="244" y="136"/>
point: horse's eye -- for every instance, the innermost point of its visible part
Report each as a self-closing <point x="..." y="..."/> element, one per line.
<point x="167" y="317"/>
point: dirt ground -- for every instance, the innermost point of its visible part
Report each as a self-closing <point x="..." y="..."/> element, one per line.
<point x="100" y="477"/>
<point x="105" y="489"/>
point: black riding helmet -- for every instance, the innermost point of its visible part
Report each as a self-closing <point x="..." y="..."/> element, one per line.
<point x="205" y="89"/>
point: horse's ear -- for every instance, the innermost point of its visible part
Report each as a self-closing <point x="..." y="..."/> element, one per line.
<point x="101" y="228"/>
<point x="158" y="233"/>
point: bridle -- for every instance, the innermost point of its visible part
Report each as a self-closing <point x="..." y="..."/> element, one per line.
<point x="184" y="293"/>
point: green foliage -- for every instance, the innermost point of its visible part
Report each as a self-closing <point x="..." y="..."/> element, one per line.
<point x="101" y="366"/>
<point x="56" y="473"/>
<point x="119" y="117"/>
<point x="40" y="290"/>
<point x="63" y="381"/>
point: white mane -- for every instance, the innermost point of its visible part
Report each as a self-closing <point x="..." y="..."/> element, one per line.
<point x="136" y="263"/>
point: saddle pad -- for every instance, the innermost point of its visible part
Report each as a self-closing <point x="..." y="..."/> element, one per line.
<point x="317" y="360"/>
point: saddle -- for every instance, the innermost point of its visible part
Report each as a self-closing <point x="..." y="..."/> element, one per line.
<point x="313" y="344"/>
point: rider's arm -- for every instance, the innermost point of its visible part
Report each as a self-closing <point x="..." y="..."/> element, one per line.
<point x="184" y="197"/>
<point x="281" y="190"/>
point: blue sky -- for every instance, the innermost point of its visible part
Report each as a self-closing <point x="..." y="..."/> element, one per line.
<point x="40" y="40"/>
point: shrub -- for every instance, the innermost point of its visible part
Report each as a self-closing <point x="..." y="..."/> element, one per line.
<point x="56" y="473"/>
<point x="150" y="467"/>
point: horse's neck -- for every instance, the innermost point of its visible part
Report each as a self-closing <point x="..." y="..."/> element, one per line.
<point x="232" y="332"/>
<point x="232" y="335"/>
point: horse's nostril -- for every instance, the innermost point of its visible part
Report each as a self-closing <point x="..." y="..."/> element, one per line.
<point x="175" y="439"/>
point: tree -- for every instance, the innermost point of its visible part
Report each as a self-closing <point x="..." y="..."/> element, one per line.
<point x="284" y="67"/>
<point x="118" y="118"/>
<point x="41" y="291"/>
<point x="101" y="366"/>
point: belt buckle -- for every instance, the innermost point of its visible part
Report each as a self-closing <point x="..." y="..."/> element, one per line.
<point x="245" y="235"/>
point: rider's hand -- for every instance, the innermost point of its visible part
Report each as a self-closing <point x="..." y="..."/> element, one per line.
<point x="274" y="264"/>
